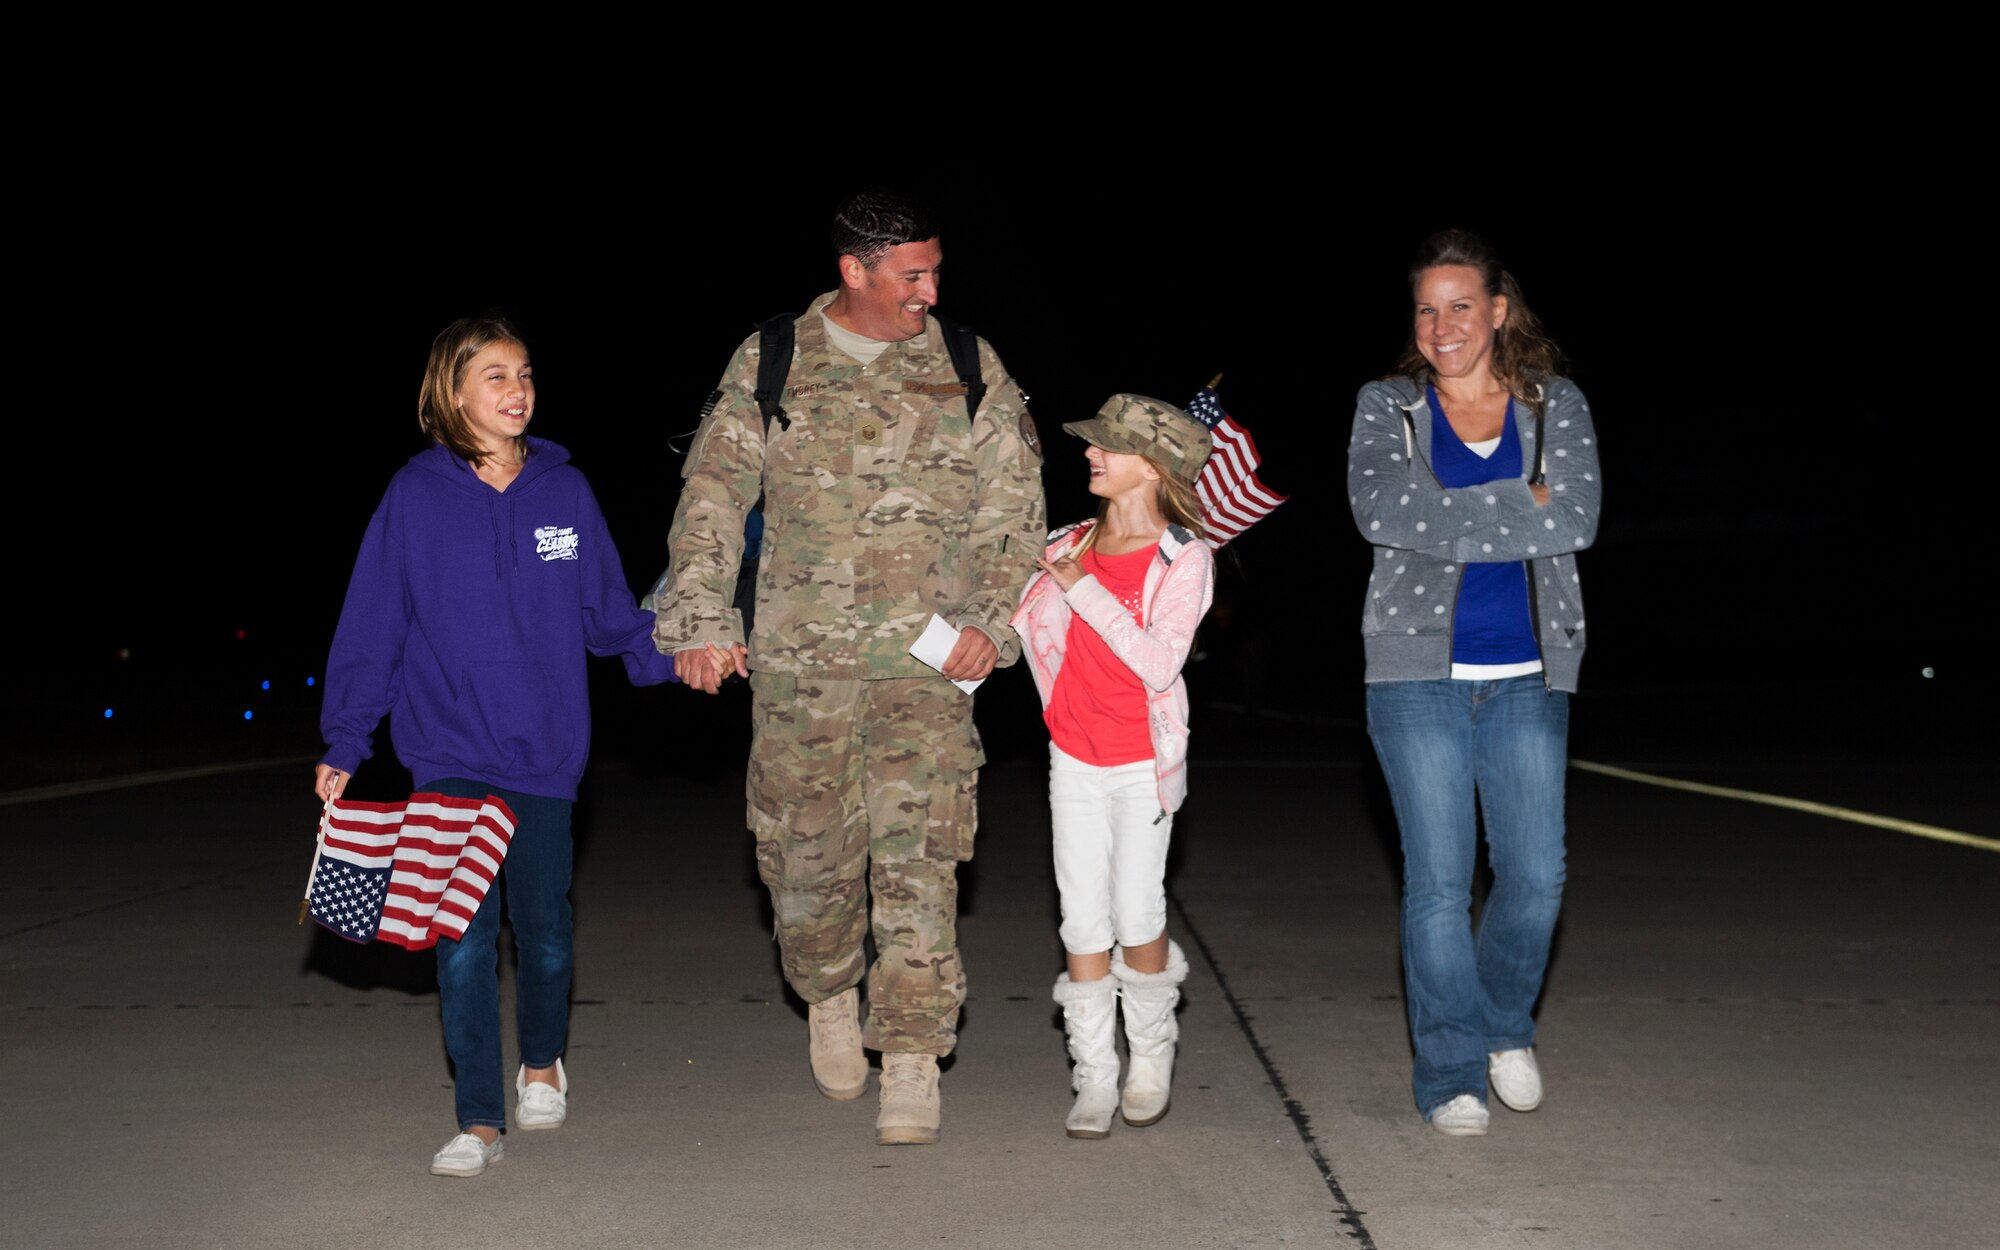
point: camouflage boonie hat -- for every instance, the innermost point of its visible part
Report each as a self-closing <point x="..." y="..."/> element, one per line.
<point x="1142" y="426"/>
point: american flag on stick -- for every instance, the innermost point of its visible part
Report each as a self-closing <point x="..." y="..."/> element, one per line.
<point x="407" y="872"/>
<point x="1232" y="499"/>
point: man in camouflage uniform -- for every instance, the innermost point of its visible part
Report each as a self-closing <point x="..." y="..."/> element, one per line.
<point x="885" y="502"/>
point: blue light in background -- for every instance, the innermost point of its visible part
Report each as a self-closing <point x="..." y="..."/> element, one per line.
<point x="247" y="715"/>
<point x="309" y="681"/>
<point x="264" y="686"/>
<point x="107" y="713"/>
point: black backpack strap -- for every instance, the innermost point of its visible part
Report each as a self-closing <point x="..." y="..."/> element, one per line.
<point x="963" y="345"/>
<point x="774" y="365"/>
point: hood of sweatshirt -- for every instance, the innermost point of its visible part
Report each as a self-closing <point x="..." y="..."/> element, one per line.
<point x="449" y="465"/>
<point x="441" y="461"/>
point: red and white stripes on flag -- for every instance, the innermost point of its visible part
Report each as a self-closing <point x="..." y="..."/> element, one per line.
<point x="1232" y="499"/>
<point x="408" y="872"/>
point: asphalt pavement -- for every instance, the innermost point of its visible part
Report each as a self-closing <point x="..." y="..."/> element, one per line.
<point x="1762" y="1028"/>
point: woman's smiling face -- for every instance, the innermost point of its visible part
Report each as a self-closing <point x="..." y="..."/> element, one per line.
<point x="1456" y="320"/>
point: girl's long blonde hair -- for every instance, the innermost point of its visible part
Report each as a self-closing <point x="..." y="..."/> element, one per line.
<point x="1177" y="503"/>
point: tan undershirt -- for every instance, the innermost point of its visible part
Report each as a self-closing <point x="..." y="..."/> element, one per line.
<point x="860" y="346"/>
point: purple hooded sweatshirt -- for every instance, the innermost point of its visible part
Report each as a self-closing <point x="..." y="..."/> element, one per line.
<point x="467" y="620"/>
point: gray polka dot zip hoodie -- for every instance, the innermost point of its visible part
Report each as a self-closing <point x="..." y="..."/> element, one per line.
<point x="1425" y="533"/>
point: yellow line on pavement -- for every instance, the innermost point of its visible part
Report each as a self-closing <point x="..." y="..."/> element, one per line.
<point x="1797" y="805"/>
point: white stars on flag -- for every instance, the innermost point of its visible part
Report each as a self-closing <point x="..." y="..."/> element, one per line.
<point x="1232" y="499"/>
<point x="407" y="872"/>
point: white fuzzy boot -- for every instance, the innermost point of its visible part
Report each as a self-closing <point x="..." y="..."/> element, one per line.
<point x="1151" y="1031"/>
<point x="1090" y="1018"/>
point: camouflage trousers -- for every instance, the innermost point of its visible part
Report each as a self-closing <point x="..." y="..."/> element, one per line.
<point x="860" y="789"/>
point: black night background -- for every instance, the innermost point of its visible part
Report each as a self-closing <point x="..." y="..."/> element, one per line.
<point x="1769" y="1012"/>
<point x="221" y="396"/>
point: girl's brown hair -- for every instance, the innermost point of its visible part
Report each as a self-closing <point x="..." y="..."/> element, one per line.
<point x="438" y="411"/>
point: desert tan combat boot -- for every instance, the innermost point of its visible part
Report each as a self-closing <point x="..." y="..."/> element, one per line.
<point x="833" y="1034"/>
<point x="910" y="1104"/>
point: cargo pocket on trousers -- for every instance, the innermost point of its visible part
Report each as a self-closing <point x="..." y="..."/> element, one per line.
<point x="959" y="788"/>
<point x="967" y="798"/>
<point x="763" y="794"/>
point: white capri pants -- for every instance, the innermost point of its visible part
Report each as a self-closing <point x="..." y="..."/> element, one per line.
<point x="1111" y="856"/>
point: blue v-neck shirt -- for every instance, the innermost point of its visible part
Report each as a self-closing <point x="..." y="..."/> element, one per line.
<point x="1490" y="624"/>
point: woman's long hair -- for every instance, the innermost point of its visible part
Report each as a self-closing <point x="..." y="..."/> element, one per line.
<point x="1525" y="358"/>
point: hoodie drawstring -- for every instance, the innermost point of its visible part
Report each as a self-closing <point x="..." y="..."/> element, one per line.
<point x="513" y="539"/>
<point x="493" y="518"/>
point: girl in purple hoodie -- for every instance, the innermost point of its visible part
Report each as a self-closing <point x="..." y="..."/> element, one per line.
<point x="486" y="575"/>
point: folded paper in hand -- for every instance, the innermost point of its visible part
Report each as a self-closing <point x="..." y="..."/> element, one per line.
<point x="934" y="648"/>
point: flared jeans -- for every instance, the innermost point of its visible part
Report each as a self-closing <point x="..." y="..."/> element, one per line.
<point x="1444" y="745"/>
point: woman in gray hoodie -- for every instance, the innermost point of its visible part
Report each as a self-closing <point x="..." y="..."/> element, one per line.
<point x="1473" y="472"/>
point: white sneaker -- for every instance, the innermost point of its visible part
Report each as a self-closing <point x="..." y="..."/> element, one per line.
<point x="1463" y="1116"/>
<point x="1517" y="1079"/>
<point x="541" y="1106"/>
<point x="465" y="1155"/>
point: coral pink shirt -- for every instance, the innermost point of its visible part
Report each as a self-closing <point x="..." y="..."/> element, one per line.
<point x="1097" y="711"/>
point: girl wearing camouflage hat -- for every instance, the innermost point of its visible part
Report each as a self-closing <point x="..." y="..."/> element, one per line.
<point x="1106" y="627"/>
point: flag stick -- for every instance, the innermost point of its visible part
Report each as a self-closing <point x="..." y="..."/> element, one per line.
<point x="319" y="844"/>
<point x="1215" y="382"/>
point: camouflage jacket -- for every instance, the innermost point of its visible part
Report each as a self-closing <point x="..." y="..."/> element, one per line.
<point x="883" y="503"/>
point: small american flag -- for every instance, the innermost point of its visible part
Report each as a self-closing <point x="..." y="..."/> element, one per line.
<point x="407" y="872"/>
<point x="1232" y="499"/>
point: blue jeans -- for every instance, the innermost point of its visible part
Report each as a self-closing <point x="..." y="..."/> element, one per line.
<point x="1439" y="743"/>
<point x="535" y="881"/>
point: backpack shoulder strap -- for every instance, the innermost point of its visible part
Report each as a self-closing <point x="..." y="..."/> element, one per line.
<point x="774" y="365"/>
<point x="963" y="345"/>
